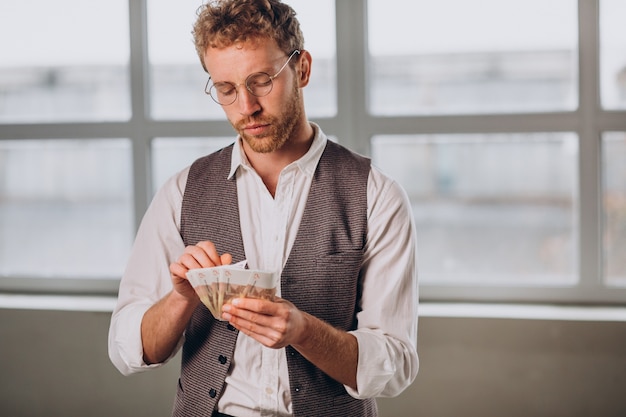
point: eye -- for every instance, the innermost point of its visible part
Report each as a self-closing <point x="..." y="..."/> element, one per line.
<point x="259" y="80"/>
<point x="225" y="89"/>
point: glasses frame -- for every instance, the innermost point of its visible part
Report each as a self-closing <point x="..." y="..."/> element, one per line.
<point x="209" y="87"/>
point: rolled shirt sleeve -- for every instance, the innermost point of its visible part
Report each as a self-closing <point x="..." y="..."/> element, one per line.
<point x="147" y="278"/>
<point x="387" y="323"/>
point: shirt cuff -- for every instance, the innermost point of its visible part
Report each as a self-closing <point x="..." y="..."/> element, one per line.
<point x="125" y="345"/>
<point x="376" y="365"/>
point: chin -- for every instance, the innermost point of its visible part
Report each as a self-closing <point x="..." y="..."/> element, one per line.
<point x="264" y="144"/>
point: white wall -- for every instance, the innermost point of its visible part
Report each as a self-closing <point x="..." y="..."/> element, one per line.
<point x="55" y="363"/>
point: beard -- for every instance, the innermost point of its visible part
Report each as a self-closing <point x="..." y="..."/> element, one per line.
<point x="280" y="129"/>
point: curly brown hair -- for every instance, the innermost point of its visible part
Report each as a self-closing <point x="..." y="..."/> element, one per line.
<point x="222" y="23"/>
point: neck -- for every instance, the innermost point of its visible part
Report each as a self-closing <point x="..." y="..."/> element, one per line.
<point x="269" y="165"/>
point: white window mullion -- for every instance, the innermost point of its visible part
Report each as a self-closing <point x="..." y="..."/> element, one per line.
<point x="589" y="249"/>
<point x="351" y="74"/>
<point x="139" y="90"/>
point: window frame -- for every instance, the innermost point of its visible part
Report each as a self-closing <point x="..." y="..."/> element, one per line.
<point x="354" y="127"/>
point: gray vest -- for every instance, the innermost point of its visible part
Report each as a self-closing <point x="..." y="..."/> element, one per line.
<point x="321" y="277"/>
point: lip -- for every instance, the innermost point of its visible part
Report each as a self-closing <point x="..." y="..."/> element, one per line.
<point x="255" y="128"/>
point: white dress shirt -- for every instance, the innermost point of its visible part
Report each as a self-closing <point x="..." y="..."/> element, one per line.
<point x="259" y="383"/>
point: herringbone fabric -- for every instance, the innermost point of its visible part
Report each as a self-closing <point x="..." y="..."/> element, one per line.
<point x="209" y="207"/>
<point x="321" y="277"/>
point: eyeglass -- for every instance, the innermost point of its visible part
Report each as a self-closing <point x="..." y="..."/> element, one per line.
<point x="258" y="84"/>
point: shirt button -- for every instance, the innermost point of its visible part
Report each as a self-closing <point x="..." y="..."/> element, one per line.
<point x="222" y="359"/>
<point x="269" y="391"/>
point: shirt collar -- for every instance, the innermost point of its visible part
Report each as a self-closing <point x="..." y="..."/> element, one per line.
<point x="306" y="164"/>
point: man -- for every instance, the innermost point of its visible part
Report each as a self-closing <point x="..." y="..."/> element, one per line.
<point x="284" y="198"/>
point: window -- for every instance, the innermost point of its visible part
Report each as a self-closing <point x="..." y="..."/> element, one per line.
<point x="65" y="207"/>
<point x="459" y="59"/>
<point x="614" y="199"/>
<point x="505" y="125"/>
<point x="612" y="57"/>
<point x="60" y="66"/>
<point x="176" y="76"/>
<point x="490" y="209"/>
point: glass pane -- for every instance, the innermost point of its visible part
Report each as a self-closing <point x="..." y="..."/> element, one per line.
<point x="65" y="60"/>
<point x="317" y="21"/>
<point x="612" y="54"/>
<point x="178" y="80"/>
<point x="614" y="196"/>
<point x="65" y="208"/>
<point x="176" y="75"/>
<point x="489" y="209"/>
<point x="481" y="56"/>
<point x="170" y="155"/>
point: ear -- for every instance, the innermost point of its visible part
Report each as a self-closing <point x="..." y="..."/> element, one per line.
<point x="303" y="68"/>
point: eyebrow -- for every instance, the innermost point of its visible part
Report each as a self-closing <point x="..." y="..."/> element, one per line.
<point x="268" y="70"/>
<point x="232" y="82"/>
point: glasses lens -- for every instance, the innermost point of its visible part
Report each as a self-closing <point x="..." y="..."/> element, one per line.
<point x="223" y="93"/>
<point x="259" y="84"/>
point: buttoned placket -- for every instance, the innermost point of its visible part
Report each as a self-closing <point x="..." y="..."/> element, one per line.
<point x="275" y="253"/>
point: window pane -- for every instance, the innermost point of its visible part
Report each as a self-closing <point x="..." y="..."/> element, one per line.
<point x="317" y="21"/>
<point x="614" y="193"/>
<point x="65" y="60"/>
<point x="178" y="80"/>
<point x="65" y="208"/>
<point x="489" y="209"/>
<point x="612" y="56"/>
<point x="482" y="56"/>
<point x="170" y="155"/>
<point x="176" y="76"/>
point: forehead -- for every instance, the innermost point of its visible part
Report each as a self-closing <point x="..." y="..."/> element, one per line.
<point x="237" y="61"/>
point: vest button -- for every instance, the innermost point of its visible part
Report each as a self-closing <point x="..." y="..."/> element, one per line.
<point x="222" y="359"/>
<point x="212" y="393"/>
<point x="231" y="327"/>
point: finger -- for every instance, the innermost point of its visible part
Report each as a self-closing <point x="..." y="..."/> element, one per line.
<point x="178" y="270"/>
<point x="258" y="327"/>
<point x="226" y="259"/>
<point x="210" y="251"/>
<point x="193" y="258"/>
<point x="269" y="339"/>
<point x="256" y="305"/>
<point x="257" y="313"/>
<point x="179" y="275"/>
<point x="202" y="255"/>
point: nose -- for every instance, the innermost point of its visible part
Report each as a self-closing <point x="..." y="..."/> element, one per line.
<point x="248" y="103"/>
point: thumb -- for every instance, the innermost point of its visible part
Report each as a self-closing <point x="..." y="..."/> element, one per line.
<point x="226" y="258"/>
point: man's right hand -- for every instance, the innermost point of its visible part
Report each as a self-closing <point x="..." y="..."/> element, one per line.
<point x="164" y="323"/>
<point x="201" y="255"/>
